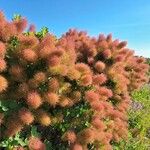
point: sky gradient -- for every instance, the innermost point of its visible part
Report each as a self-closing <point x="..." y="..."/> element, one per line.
<point x="126" y="20"/>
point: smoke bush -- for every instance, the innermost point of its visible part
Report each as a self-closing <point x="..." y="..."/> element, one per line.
<point x="76" y="87"/>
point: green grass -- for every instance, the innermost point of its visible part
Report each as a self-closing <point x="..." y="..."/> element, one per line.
<point x="139" y="123"/>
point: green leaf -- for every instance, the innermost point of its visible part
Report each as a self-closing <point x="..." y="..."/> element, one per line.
<point x="42" y="33"/>
<point x="34" y="131"/>
<point x="3" y="108"/>
<point x="16" y="17"/>
<point x="48" y="144"/>
<point x="87" y="124"/>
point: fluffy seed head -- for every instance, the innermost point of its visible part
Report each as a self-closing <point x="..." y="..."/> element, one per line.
<point x="3" y="84"/>
<point x="140" y="60"/>
<point x="2" y="50"/>
<point x="26" y="42"/>
<point x="18" y="148"/>
<point x="33" y="100"/>
<point x="13" y="127"/>
<point x="77" y="146"/>
<point x="43" y="118"/>
<point x="69" y="136"/>
<point x="40" y="77"/>
<point x="36" y="144"/>
<point x="73" y="74"/>
<point x="26" y="116"/>
<point x="119" y="58"/>
<point x="45" y="51"/>
<point x="97" y="106"/>
<point x="86" y="80"/>
<point x="107" y="53"/>
<point x="87" y="135"/>
<point x="20" y="24"/>
<point x="64" y="101"/>
<point x="53" y="61"/>
<point x="109" y="38"/>
<point x="101" y="37"/>
<point x="99" y="79"/>
<point x="8" y="31"/>
<point x="53" y="85"/>
<point x="48" y="40"/>
<point x="2" y="18"/>
<point x="103" y="45"/>
<point x="83" y="68"/>
<point x="105" y="91"/>
<point x="91" y="96"/>
<point x="32" y="28"/>
<point x="99" y="66"/>
<point x="29" y="55"/>
<point x="122" y="44"/>
<point x="59" y="70"/>
<point x="97" y="123"/>
<point x="58" y="51"/>
<point x="52" y="98"/>
<point x="91" y="60"/>
<point x="2" y="65"/>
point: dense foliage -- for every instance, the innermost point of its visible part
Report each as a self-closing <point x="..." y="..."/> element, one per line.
<point x="74" y="91"/>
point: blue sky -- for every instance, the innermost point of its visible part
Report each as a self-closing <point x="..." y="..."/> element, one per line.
<point x="125" y="19"/>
